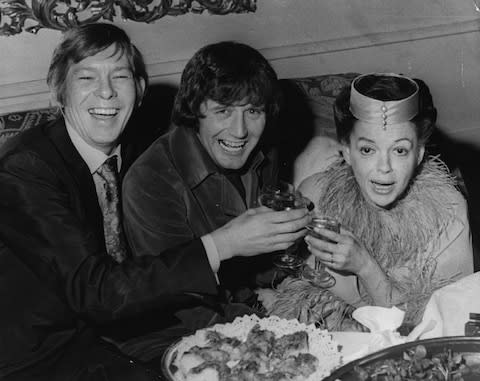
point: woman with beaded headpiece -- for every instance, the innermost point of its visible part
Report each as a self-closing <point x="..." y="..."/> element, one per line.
<point x="404" y="230"/>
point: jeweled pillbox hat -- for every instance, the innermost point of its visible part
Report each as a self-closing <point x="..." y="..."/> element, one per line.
<point x="372" y="110"/>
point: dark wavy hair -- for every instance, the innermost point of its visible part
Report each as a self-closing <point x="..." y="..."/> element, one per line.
<point x="85" y="41"/>
<point x="226" y="72"/>
<point x="386" y="88"/>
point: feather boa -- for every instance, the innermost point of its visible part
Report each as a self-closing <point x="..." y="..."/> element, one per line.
<point x="404" y="236"/>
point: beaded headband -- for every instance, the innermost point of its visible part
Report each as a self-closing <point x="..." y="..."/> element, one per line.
<point x="372" y="110"/>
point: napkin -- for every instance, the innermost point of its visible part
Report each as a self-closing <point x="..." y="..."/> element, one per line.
<point x="382" y="323"/>
<point x="379" y="319"/>
<point x="449" y="307"/>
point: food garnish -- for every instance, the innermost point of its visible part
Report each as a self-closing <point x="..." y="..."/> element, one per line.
<point x="417" y="364"/>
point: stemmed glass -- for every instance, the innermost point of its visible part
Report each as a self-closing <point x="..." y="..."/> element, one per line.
<point x="320" y="276"/>
<point x="283" y="196"/>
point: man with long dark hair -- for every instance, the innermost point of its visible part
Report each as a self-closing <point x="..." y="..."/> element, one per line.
<point x="202" y="179"/>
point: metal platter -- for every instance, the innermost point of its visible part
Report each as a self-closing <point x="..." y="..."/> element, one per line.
<point x="459" y="344"/>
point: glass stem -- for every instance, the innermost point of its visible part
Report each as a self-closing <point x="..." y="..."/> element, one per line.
<point x="292" y="250"/>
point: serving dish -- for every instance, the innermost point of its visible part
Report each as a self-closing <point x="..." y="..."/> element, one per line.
<point x="321" y="343"/>
<point x="458" y="344"/>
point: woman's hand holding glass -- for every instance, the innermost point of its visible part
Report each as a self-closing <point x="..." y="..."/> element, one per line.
<point x="319" y="276"/>
<point x="343" y="251"/>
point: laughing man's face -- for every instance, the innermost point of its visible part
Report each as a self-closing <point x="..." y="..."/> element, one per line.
<point x="229" y="133"/>
<point x="100" y="97"/>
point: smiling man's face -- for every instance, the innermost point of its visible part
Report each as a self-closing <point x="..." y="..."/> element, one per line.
<point x="229" y="133"/>
<point x="100" y="97"/>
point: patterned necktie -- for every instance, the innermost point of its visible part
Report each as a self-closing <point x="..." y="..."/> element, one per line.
<point x="112" y="219"/>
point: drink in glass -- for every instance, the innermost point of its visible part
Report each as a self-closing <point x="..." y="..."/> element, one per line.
<point x="320" y="275"/>
<point x="283" y="196"/>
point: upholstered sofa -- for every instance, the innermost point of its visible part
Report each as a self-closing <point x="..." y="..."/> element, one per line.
<point x="307" y="115"/>
<point x="305" y="134"/>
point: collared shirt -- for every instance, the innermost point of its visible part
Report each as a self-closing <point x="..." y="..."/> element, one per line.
<point x="94" y="158"/>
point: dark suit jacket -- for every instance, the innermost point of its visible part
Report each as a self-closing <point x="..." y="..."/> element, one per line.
<point x="51" y="220"/>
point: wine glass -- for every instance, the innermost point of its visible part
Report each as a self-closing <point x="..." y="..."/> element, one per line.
<point x="320" y="276"/>
<point x="283" y="196"/>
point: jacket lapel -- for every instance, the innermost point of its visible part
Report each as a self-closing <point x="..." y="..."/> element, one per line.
<point x="130" y="152"/>
<point x="79" y="173"/>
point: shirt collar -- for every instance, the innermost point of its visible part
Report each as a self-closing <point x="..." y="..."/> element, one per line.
<point x="93" y="157"/>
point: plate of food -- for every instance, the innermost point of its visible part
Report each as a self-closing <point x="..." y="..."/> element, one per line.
<point x="253" y="348"/>
<point x="455" y="358"/>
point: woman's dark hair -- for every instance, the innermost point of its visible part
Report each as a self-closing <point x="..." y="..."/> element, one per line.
<point x="226" y="72"/>
<point x="386" y="88"/>
<point x="86" y="41"/>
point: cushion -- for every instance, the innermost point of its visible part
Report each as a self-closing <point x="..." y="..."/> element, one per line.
<point x="319" y="153"/>
<point x="315" y="136"/>
<point x="13" y="123"/>
<point x="320" y="93"/>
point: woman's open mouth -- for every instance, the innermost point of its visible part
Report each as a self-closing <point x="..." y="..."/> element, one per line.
<point x="382" y="187"/>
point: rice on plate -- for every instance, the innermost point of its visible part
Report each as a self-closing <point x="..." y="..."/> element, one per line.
<point x="296" y="351"/>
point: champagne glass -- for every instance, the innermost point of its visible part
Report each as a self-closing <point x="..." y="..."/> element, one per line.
<point x="283" y="196"/>
<point x="320" y="276"/>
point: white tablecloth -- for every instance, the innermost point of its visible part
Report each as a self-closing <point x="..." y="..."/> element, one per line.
<point x="446" y="313"/>
<point x="449" y="307"/>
